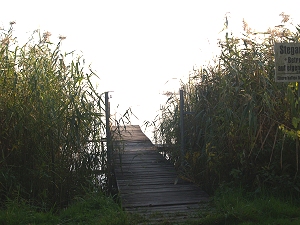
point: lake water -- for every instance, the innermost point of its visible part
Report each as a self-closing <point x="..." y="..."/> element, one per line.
<point x="146" y="109"/>
<point x="144" y="100"/>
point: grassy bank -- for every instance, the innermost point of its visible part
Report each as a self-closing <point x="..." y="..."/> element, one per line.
<point x="228" y="206"/>
<point x="92" y="209"/>
<point x="234" y="206"/>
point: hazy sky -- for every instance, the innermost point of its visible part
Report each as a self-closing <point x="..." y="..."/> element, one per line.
<point x="136" y="46"/>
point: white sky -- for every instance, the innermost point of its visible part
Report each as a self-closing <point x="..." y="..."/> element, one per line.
<point x="136" y="46"/>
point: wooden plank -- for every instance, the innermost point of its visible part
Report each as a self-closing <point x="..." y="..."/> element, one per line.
<point x="157" y="189"/>
<point x="170" y="208"/>
<point x="148" y="182"/>
<point x="142" y="200"/>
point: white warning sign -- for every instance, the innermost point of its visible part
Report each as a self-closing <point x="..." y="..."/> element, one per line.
<point x="287" y="62"/>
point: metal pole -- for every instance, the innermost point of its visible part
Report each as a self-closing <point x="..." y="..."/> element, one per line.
<point x="108" y="142"/>
<point x="181" y="123"/>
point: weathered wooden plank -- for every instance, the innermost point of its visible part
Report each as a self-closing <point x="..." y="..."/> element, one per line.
<point x="154" y="189"/>
<point x="147" y="182"/>
<point x="176" y="195"/>
<point x="170" y="208"/>
<point x="157" y="200"/>
<point x="158" y="189"/>
<point x="143" y="169"/>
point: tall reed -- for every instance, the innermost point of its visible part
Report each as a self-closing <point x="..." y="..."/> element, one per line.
<point x="51" y="123"/>
<point x="242" y="127"/>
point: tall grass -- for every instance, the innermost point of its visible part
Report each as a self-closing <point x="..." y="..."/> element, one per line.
<point x="94" y="208"/>
<point x="244" y="127"/>
<point x="51" y="123"/>
<point x="235" y="206"/>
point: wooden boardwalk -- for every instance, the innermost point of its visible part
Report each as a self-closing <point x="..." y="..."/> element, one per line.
<point x="148" y="183"/>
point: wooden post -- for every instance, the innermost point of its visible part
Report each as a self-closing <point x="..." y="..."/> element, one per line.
<point x="108" y="143"/>
<point x="298" y="96"/>
<point x="181" y="124"/>
<point x="297" y="140"/>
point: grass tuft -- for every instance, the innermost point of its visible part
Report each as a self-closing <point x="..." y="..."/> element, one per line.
<point x="237" y="207"/>
<point x="92" y="209"/>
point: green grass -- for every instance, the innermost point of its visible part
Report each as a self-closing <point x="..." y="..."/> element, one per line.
<point x="239" y="208"/>
<point x="229" y="206"/>
<point x="92" y="209"/>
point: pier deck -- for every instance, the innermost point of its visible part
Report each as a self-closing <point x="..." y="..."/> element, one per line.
<point x="148" y="183"/>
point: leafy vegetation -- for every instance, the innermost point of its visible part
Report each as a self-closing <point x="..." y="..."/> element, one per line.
<point x="235" y="206"/>
<point x="244" y="131"/>
<point x="91" y="209"/>
<point x="245" y="127"/>
<point x="51" y="124"/>
<point x="229" y="206"/>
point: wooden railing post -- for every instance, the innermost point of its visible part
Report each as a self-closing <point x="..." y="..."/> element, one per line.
<point x="108" y="143"/>
<point x="181" y="125"/>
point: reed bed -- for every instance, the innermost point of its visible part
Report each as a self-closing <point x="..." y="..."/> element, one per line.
<point x="51" y="123"/>
<point x="245" y="127"/>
